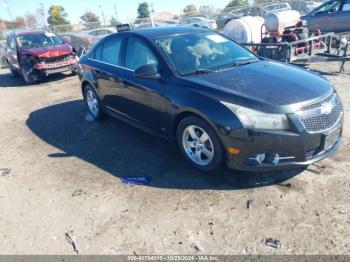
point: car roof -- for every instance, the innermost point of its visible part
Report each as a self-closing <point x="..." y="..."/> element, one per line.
<point x="160" y="32"/>
<point x="27" y="32"/>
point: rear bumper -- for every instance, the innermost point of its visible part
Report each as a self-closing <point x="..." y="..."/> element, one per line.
<point x="295" y="150"/>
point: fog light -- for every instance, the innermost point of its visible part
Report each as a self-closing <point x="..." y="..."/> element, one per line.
<point x="260" y="158"/>
<point x="276" y="159"/>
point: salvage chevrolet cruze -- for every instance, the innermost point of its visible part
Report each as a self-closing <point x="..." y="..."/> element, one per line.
<point x="219" y="101"/>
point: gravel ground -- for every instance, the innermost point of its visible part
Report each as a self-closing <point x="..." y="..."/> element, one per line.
<point x="64" y="177"/>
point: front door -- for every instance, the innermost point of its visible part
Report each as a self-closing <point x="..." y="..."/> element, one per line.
<point x="343" y="18"/>
<point x="144" y="98"/>
<point x="324" y="17"/>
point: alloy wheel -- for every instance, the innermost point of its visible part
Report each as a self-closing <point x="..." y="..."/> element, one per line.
<point x="198" y="145"/>
<point x="92" y="103"/>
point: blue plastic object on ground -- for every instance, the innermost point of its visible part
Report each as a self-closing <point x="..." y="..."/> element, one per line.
<point x="136" y="180"/>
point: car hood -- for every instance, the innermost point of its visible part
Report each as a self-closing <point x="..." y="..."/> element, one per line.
<point x="48" y="51"/>
<point x="266" y="83"/>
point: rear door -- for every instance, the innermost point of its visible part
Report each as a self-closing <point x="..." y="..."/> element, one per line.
<point x="107" y="72"/>
<point x="343" y="18"/>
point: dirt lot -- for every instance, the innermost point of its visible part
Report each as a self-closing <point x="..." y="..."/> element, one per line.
<point x="65" y="178"/>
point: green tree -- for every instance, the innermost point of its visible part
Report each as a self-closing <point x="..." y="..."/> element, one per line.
<point x="57" y="16"/>
<point x="90" y="20"/>
<point x="237" y="3"/>
<point x="143" y="10"/>
<point x="190" y="9"/>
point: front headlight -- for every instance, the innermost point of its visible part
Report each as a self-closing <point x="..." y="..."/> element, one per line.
<point x="258" y="120"/>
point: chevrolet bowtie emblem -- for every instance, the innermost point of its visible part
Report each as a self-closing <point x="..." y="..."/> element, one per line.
<point x="327" y="108"/>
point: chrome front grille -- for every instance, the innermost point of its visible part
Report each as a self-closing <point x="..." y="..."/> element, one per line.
<point x="321" y="116"/>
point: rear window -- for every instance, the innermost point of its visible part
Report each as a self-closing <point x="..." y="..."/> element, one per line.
<point x="109" y="51"/>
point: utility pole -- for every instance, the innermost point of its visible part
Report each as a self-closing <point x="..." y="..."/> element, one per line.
<point x="42" y="13"/>
<point x="116" y="12"/>
<point x="152" y="14"/>
<point x="103" y="15"/>
<point x="6" y="4"/>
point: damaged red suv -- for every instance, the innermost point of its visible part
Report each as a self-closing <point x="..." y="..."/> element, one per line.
<point x="35" y="54"/>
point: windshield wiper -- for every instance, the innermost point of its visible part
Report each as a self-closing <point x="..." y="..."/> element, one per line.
<point x="199" y="71"/>
<point x="245" y="62"/>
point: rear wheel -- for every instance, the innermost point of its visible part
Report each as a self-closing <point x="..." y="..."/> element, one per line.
<point x="199" y="144"/>
<point x="93" y="102"/>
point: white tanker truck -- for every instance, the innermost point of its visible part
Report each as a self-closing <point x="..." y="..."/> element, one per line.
<point x="283" y="36"/>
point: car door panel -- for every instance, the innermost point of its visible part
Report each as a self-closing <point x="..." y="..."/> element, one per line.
<point x="144" y="98"/>
<point x="108" y="74"/>
<point x="343" y="18"/>
<point x="325" y="21"/>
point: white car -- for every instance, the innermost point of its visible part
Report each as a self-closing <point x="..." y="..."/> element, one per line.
<point x="100" y="32"/>
<point x="275" y="8"/>
<point x="199" y="22"/>
<point x="2" y="54"/>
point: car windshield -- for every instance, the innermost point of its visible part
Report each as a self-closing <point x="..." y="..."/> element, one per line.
<point x="39" y="40"/>
<point x="205" y="52"/>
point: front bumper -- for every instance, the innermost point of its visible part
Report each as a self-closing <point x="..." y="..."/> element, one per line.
<point x="296" y="149"/>
<point x="57" y="67"/>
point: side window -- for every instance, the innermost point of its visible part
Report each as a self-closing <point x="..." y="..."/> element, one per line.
<point x="184" y="22"/>
<point x="98" y="52"/>
<point x="329" y="7"/>
<point x="138" y="54"/>
<point x="11" y="43"/>
<point x="346" y="6"/>
<point x="111" y="50"/>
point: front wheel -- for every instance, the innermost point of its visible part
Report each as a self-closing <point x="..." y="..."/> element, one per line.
<point x="30" y="76"/>
<point x="199" y="144"/>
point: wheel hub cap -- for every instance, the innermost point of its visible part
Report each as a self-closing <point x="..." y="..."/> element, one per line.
<point x="92" y="102"/>
<point x="198" y="145"/>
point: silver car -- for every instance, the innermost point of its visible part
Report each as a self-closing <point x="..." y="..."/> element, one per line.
<point x="199" y="22"/>
<point x="2" y="54"/>
<point x="332" y="16"/>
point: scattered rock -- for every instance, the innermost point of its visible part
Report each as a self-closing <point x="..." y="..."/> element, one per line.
<point x="211" y="232"/>
<point x="195" y="247"/>
<point x="288" y="185"/>
<point x="274" y="243"/>
<point x="180" y="243"/>
<point x="77" y="192"/>
<point x="5" y="171"/>
<point x="249" y="203"/>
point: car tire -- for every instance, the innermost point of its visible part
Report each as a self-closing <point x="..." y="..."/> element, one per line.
<point x="93" y="103"/>
<point x="199" y="144"/>
<point x="29" y="77"/>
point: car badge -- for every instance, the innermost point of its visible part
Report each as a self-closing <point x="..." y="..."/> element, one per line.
<point x="326" y="108"/>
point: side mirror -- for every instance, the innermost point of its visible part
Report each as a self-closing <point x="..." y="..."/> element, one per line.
<point x="147" y="71"/>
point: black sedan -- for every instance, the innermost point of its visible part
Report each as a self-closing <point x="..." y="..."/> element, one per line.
<point x="219" y="101"/>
